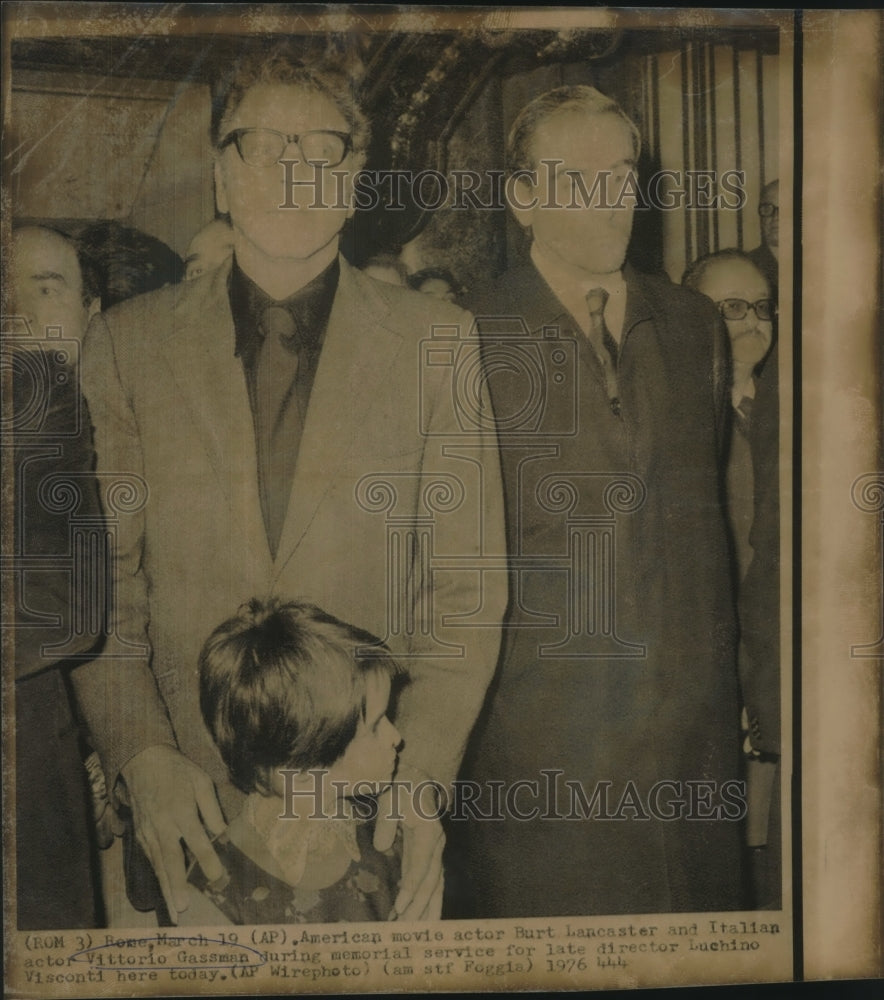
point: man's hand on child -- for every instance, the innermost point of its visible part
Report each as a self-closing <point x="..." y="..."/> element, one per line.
<point x="420" y="895"/>
<point x="423" y="841"/>
<point x="168" y="795"/>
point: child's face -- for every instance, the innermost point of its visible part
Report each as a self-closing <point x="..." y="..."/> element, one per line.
<point x="370" y="760"/>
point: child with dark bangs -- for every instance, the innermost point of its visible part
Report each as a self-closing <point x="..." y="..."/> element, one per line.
<point x="296" y="702"/>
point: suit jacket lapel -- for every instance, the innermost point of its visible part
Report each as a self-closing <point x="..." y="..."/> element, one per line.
<point x="356" y="355"/>
<point x="200" y="354"/>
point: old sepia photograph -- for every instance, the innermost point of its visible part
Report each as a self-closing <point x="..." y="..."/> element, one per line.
<point x="407" y="578"/>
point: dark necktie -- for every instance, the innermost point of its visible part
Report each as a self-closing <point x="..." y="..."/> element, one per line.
<point x="279" y="417"/>
<point x="603" y="343"/>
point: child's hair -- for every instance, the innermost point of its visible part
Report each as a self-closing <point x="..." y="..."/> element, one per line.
<point x="283" y="684"/>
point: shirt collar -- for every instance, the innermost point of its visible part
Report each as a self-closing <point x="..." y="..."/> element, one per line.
<point x="310" y="307"/>
<point x="570" y="285"/>
<point x="558" y="274"/>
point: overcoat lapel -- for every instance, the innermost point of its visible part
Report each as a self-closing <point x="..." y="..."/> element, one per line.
<point x="538" y="306"/>
<point x="533" y="300"/>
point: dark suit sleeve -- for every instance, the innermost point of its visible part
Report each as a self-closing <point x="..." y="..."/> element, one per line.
<point x="760" y="590"/>
<point x="117" y="692"/>
<point x="53" y="482"/>
<point x="721" y="385"/>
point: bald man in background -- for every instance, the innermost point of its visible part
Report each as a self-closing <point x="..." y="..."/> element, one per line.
<point x="47" y="309"/>
<point x="766" y="256"/>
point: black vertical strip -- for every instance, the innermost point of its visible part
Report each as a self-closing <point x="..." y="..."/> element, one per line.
<point x="713" y="134"/>
<point x="738" y="138"/>
<point x="759" y="86"/>
<point x="650" y="124"/>
<point x="655" y="102"/>
<point x="686" y="149"/>
<point x="797" y="413"/>
<point x="700" y="150"/>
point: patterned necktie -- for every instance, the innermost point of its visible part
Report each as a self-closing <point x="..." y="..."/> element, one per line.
<point x="603" y="344"/>
<point x="743" y="415"/>
<point x="279" y="417"/>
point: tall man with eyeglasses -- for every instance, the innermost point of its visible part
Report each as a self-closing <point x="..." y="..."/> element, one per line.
<point x="273" y="407"/>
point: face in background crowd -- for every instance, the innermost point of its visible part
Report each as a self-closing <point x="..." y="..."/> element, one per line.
<point x="211" y="246"/>
<point x="387" y="268"/>
<point x="750" y="337"/>
<point x="593" y="239"/>
<point x="770" y="220"/>
<point x="439" y="288"/>
<point x="46" y="284"/>
<point x="262" y="231"/>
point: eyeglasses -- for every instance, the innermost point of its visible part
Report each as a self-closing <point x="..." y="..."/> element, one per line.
<point x="765" y="309"/>
<point x="766" y="209"/>
<point x="262" y="147"/>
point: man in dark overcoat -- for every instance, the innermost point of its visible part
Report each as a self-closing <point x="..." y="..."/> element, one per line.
<point x="53" y="622"/>
<point x="607" y="757"/>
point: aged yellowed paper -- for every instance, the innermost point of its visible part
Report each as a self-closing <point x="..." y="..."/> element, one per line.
<point x="585" y="595"/>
